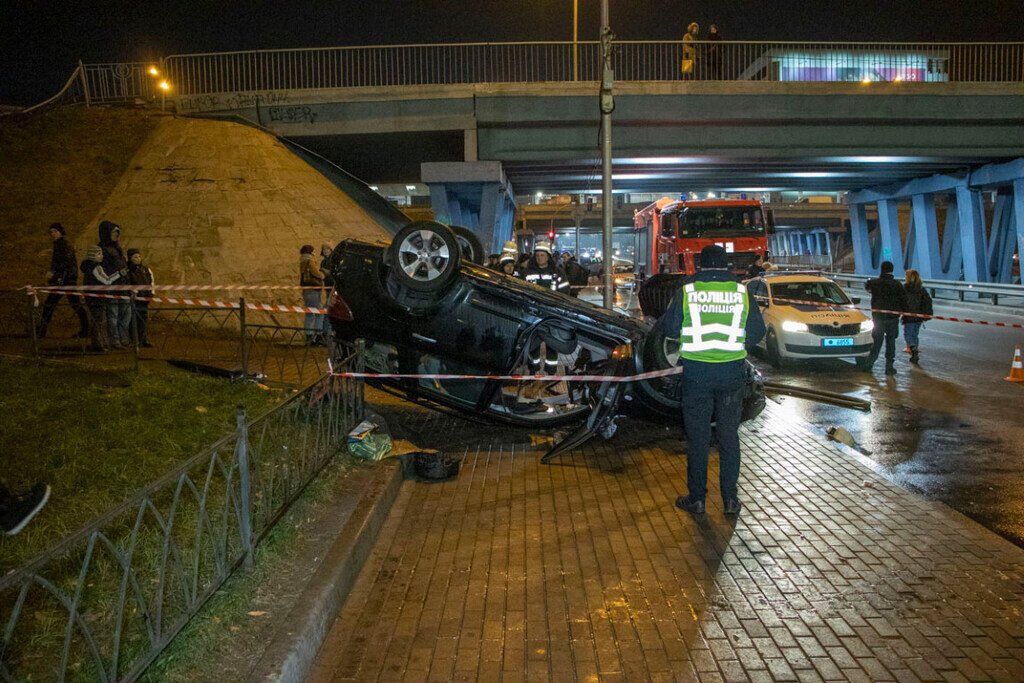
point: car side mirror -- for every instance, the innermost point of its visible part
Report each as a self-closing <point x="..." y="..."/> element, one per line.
<point x="855" y="300"/>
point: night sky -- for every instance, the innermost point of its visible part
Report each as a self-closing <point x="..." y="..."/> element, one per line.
<point x="42" y="40"/>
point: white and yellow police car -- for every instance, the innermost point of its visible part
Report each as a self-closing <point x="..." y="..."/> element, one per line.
<point x="810" y="316"/>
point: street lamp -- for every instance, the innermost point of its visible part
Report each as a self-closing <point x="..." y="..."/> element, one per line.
<point x="153" y="71"/>
<point x="575" y="40"/>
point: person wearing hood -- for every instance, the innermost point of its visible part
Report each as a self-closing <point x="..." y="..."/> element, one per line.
<point x="115" y="265"/>
<point x="140" y="274"/>
<point x="63" y="273"/>
<point x="93" y="275"/>
<point x="888" y="301"/>
<point x="311" y="279"/>
<point x="716" y="324"/>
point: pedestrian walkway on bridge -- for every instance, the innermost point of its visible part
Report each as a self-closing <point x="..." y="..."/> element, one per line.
<point x="585" y="570"/>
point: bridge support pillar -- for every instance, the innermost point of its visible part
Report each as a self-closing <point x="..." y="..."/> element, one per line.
<point x="971" y="219"/>
<point x="475" y="195"/>
<point x="926" y="236"/>
<point x="969" y="249"/>
<point x="863" y="258"/>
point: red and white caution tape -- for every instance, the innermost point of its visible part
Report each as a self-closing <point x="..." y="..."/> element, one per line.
<point x="199" y="303"/>
<point x="169" y="288"/>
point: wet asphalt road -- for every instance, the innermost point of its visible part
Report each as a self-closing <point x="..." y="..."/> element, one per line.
<point x="951" y="429"/>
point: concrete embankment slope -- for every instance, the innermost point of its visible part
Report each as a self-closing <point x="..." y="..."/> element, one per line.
<point x="224" y="203"/>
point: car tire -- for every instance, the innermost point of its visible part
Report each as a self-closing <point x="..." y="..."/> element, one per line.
<point x="771" y="345"/>
<point x="472" y="249"/>
<point x="424" y="256"/>
<point x="656" y="293"/>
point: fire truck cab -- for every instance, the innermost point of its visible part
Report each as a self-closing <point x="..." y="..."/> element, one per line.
<point x="679" y="229"/>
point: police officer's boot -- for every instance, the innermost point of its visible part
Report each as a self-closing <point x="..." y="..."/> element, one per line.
<point x="691" y="505"/>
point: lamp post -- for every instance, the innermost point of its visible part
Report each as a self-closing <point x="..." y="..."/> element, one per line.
<point x="575" y="40"/>
<point x="607" y="105"/>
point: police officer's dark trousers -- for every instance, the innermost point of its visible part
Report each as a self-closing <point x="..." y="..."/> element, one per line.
<point x="713" y="392"/>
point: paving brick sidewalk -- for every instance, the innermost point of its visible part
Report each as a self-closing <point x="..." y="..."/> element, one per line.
<point x="586" y="571"/>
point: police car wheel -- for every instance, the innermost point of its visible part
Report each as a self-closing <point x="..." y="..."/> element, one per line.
<point x="424" y="256"/>
<point x="471" y="247"/>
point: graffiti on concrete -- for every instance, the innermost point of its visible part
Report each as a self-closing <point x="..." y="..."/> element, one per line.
<point x="293" y="114"/>
<point x="239" y="100"/>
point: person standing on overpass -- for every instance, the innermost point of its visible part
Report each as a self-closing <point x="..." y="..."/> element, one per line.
<point x="716" y="325"/>
<point x="888" y="301"/>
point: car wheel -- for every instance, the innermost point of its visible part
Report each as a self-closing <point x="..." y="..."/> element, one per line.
<point x="470" y="246"/>
<point x="771" y="345"/>
<point x="424" y="256"/>
<point x="656" y="293"/>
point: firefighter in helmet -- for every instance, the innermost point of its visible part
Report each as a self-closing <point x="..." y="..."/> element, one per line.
<point x="716" y="323"/>
<point x="542" y="270"/>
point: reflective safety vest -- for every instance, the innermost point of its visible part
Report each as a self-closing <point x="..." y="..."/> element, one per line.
<point x="714" y="322"/>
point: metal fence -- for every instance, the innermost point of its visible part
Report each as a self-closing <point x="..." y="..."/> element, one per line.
<point x="531" y="62"/>
<point x="103" y="603"/>
<point x="270" y="72"/>
<point x="118" y="82"/>
<point x="246" y="342"/>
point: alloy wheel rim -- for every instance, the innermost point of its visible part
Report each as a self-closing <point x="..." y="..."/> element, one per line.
<point x="423" y="255"/>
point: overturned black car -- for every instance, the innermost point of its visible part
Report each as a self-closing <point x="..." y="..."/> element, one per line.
<point x="424" y="307"/>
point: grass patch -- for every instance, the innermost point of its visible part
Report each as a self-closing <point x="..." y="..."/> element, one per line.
<point x="96" y="436"/>
<point x="238" y="621"/>
<point x="60" y="165"/>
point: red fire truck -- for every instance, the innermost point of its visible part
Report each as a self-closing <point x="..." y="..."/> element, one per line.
<point x="679" y="229"/>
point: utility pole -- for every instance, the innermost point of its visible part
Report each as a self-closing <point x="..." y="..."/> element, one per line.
<point x="607" y="106"/>
<point x="575" y="40"/>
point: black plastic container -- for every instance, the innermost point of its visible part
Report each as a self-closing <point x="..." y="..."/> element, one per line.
<point x="435" y="466"/>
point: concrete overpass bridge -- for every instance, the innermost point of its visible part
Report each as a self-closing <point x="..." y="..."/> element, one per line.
<point x="492" y="121"/>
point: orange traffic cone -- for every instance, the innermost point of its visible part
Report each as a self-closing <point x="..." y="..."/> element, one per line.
<point x="1016" y="369"/>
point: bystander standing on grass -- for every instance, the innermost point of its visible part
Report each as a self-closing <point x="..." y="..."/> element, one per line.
<point x="140" y="274"/>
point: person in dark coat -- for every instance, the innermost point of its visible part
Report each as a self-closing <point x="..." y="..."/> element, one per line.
<point x="577" y="275"/>
<point x="115" y="265"/>
<point x="756" y="268"/>
<point x="63" y="273"/>
<point x="888" y="302"/>
<point x="94" y="275"/>
<point x="140" y="274"/>
<point x="714" y="53"/>
<point x="918" y="301"/>
<point x="714" y="380"/>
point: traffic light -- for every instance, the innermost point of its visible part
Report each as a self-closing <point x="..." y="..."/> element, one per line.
<point x="551" y="235"/>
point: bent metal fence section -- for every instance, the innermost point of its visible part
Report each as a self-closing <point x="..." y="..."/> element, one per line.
<point x="105" y="601"/>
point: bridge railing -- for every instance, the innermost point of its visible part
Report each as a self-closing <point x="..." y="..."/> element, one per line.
<point x="533" y="62"/>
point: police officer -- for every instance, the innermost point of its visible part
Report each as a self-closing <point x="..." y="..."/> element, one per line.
<point x="716" y="323"/>
<point x="542" y="270"/>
